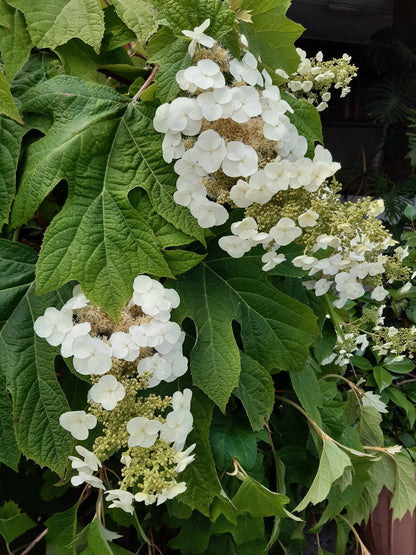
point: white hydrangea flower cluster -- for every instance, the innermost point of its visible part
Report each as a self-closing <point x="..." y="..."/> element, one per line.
<point x="150" y="344"/>
<point x="314" y="78"/>
<point x="192" y="137"/>
<point x="199" y="132"/>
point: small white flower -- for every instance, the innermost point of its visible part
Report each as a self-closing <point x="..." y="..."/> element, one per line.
<point x="171" y="492"/>
<point x="183" y="83"/>
<point x="284" y="232"/>
<point x="282" y="73"/>
<point x="259" y="189"/>
<point x="91" y="461"/>
<point x="379" y="293"/>
<point x="240" y="160"/>
<point x="210" y="150"/>
<point x="78" y="423"/>
<point x="91" y="355"/>
<point x="304" y="261"/>
<point x="177" y="427"/>
<point x="236" y="247"/>
<point x="246" y="103"/>
<point x="146" y="497"/>
<point x="362" y="342"/>
<point x="78" y="300"/>
<point x="184" y="116"/>
<point x="406" y="287"/>
<point x="238" y="194"/>
<point x="208" y="213"/>
<point x="158" y="368"/>
<point x="271" y="259"/>
<point x="107" y="392"/>
<point x="178" y="364"/>
<point x="143" y="432"/>
<point x="246" y="70"/>
<point x="321" y="287"/>
<point x="123" y="346"/>
<point x="121" y="499"/>
<point x="182" y="400"/>
<point x="88" y="478"/>
<point x="160" y="121"/>
<point x="183" y="458"/>
<point x="54" y="325"/>
<point x="77" y="331"/>
<point x="199" y="37"/>
<point x="188" y="166"/>
<point x="205" y="75"/>
<point x="276" y="126"/>
<point x="172" y="146"/>
<point x="308" y="219"/>
<point x="188" y="191"/>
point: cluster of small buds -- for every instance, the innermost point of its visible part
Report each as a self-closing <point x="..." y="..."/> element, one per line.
<point x="370" y="332"/>
<point x="150" y="347"/>
<point x="314" y="78"/>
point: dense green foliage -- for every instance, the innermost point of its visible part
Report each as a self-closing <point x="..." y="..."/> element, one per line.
<point x="85" y="196"/>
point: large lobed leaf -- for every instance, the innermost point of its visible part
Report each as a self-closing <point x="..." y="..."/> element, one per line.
<point x="271" y="35"/>
<point x="276" y="330"/>
<point x="139" y="16"/>
<point x="55" y="22"/>
<point x="7" y="105"/>
<point x="27" y="366"/>
<point x="104" y="147"/>
<point x="15" y="43"/>
<point x="11" y="134"/>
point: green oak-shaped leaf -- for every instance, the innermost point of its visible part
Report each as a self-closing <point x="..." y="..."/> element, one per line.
<point x="271" y="35"/>
<point x="62" y="528"/>
<point x="252" y="497"/>
<point x="139" y="16"/>
<point x="200" y="476"/>
<point x="404" y="496"/>
<point x="15" y="43"/>
<point x="54" y="22"/>
<point x="232" y="439"/>
<point x="103" y="147"/>
<point x="171" y="55"/>
<point x="332" y="465"/>
<point x="193" y="537"/>
<point x="11" y="134"/>
<point x="13" y="523"/>
<point x="7" y="105"/>
<point x="256" y="391"/>
<point x="27" y="364"/>
<point x="276" y="330"/>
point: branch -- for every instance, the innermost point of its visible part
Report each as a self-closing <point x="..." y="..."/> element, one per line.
<point x="145" y="84"/>
<point x="34" y="542"/>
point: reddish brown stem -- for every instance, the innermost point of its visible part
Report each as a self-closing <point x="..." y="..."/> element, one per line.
<point x="145" y="84"/>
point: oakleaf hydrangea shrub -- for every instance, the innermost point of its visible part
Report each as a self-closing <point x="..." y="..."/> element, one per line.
<point x="124" y="362"/>
<point x="234" y="144"/>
